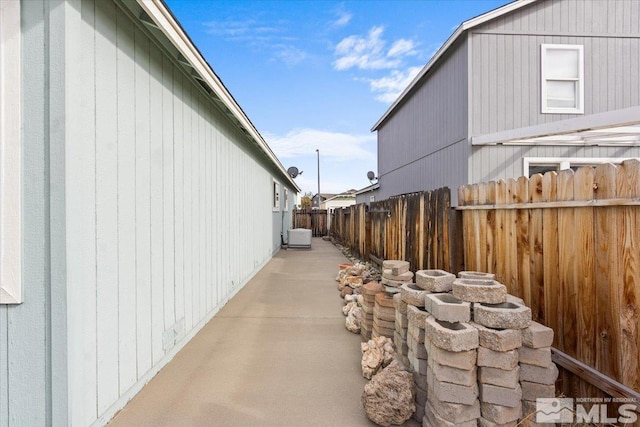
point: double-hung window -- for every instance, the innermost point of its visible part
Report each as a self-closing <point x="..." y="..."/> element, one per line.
<point x="562" y="71"/>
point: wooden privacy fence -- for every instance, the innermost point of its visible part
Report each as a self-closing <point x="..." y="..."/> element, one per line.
<point x="412" y="227"/>
<point x="314" y="220"/>
<point x="568" y="243"/>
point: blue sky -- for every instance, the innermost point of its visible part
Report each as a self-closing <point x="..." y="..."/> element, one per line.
<point x="318" y="74"/>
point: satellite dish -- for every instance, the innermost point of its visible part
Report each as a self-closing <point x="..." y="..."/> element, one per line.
<point x="371" y="175"/>
<point x="293" y="171"/>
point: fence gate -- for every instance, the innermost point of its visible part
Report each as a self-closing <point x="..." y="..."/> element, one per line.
<point x="314" y="220"/>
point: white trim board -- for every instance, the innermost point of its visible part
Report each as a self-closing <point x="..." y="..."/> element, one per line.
<point x="10" y="154"/>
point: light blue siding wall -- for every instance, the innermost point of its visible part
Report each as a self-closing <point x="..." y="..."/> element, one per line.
<point x="427" y="130"/>
<point x="505" y="75"/>
<point x="145" y="210"/>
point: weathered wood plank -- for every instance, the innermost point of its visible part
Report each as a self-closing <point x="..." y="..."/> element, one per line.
<point x="628" y="185"/>
<point x="607" y="276"/>
<point x="522" y="237"/>
<point x="511" y="245"/>
<point x="492" y="260"/>
<point x="585" y="282"/>
<point x="536" y="239"/>
<point x="552" y="297"/>
<point x="500" y="240"/>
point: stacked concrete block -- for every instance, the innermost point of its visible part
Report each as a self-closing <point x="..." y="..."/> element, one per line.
<point x="418" y="354"/>
<point x="451" y="343"/>
<point x="369" y="292"/>
<point x="499" y="324"/>
<point x="537" y="372"/>
<point x="401" y="326"/>
<point x="384" y="315"/>
<point x="395" y="273"/>
<point x="434" y="280"/>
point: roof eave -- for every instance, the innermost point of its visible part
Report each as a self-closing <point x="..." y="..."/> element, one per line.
<point x="165" y="21"/>
<point x="466" y="25"/>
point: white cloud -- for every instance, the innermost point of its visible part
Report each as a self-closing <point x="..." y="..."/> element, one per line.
<point x="343" y="19"/>
<point x="291" y="55"/>
<point x="335" y="145"/>
<point x="402" y="47"/>
<point x="388" y="88"/>
<point x="366" y="53"/>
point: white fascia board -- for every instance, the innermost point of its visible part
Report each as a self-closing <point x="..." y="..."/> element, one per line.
<point x="466" y="25"/>
<point x="616" y="118"/>
<point x="165" y="21"/>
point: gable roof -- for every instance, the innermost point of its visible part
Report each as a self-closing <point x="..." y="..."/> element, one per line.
<point x="462" y="28"/>
<point x="157" y="16"/>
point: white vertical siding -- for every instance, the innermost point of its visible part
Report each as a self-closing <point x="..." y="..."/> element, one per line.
<point x="168" y="209"/>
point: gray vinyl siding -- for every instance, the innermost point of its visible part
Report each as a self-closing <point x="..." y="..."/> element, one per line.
<point x="144" y="210"/>
<point x="421" y="134"/>
<point x="505" y="60"/>
<point x="490" y="163"/>
<point x="444" y="168"/>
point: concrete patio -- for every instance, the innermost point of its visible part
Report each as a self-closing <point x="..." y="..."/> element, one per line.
<point x="277" y="354"/>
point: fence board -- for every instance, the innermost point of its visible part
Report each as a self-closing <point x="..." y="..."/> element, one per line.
<point x="628" y="185"/>
<point x="568" y="243"/>
<point x="314" y="220"/>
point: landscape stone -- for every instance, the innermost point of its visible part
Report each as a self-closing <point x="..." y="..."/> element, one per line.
<point x="448" y="308"/>
<point x="465" y="360"/>
<point x="454" y="412"/>
<point x="411" y="294"/>
<point x="451" y="336"/>
<point x="532" y="391"/>
<point x="399" y="304"/>
<point x="501" y="414"/>
<point x="389" y="398"/>
<point x="417" y="315"/>
<point x="478" y="290"/>
<point x="498" y="339"/>
<point x="476" y="275"/>
<point x="407" y="276"/>
<point x="537" y="336"/>
<point x="502" y="316"/>
<point x="497" y="359"/>
<point x="508" y="378"/>
<point x="537" y="374"/>
<point x="397" y="266"/>
<point x="502" y="396"/>
<point x="535" y="356"/>
<point x="434" y="280"/>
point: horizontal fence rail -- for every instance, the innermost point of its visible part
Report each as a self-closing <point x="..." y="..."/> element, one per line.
<point x="568" y="243"/>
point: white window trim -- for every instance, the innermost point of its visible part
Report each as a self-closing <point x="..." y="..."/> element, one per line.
<point x="275" y="196"/>
<point x="10" y="154"/>
<point x="286" y="199"/>
<point x="543" y="79"/>
<point x="567" y="162"/>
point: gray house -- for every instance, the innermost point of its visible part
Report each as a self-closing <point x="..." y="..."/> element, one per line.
<point x="535" y="85"/>
<point x="136" y="199"/>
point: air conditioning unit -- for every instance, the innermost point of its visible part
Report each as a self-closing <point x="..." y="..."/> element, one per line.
<point x="299" y="238"/>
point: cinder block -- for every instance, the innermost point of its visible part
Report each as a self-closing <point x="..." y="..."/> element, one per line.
<point x="476" y="275"/>
<point x="460" y="359"/>
<point x="401" y="331"/>
<point x="418" y="364"/>
<point x="434" y="280"/>
<point x="399" y="304"/>
<point x="503" y="378"/>
<point x="532" y="391"/>
<point x="498" y="339"/>
<point x="502" y="316"/>
<point x="515" y="300"/>
<point x="448" y="308"/>
<point x="402" y="320"/>
<point x="454" y="412"/>
<point x="384" y="299"/>
<point x="479" y="290"/>
<point x="497" y="359"/>
<point x="416" y="332"/>
<point x="418" y="349"/>
<point x="384" y="314"/>
<point x="407" y="276"/>
<point x="537" y="336"/>
<point x="417" y="315"/>
<point x="509" y="397"/>
<point x="451" y="336"/>
<point x="535" y="356"/>
<point x="382" y="331"/>
<point x="419" y="379"/>
<point x="483" y="422"/>
<point x="453" y="375"/>
<point x="501" y="414"/>
<point x="537" y="374"/>
<point x="397" y="266"/>
<point x="400" y="343"/>
<point x="432" y="419"/>
<point x="452" y="393"/>
<point x="371" y="289"/>
<point x="412" y="294"/>
<point x="421" y="396"/>
<point x="384" y="323"/>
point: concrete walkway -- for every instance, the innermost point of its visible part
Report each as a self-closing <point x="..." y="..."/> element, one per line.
<point x="277" y="354"/>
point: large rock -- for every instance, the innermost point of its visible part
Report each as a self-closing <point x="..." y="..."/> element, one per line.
<point x="389" y="398"/>
<point x="354" y="320"/>
<point x="376" y="354"/>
